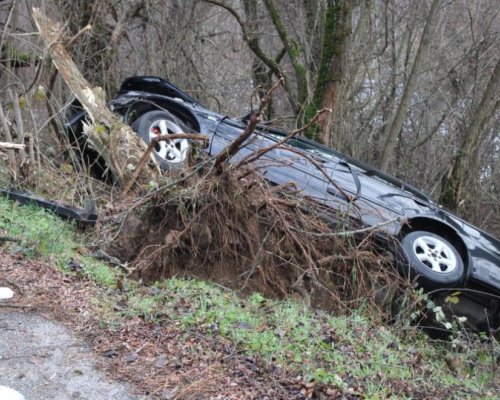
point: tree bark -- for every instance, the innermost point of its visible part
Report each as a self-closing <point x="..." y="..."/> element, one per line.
<point x="115" y="141"/>
<point x="329" y="82"/>
<point x="464" y="160"/>
<point x="398" y="119"/>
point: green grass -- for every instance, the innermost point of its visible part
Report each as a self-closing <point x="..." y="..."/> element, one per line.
<point x="100" y="272"/>
<point x="328" y="349"/>
<point x="38" y="231"/>
<point x="344" y="351"/>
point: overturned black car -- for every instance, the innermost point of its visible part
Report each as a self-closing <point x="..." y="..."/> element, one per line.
<point x="443" y="251"/>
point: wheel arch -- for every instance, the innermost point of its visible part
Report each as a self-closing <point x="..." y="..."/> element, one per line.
<point x="142" y="106"/>
<point x="439" y="228"/>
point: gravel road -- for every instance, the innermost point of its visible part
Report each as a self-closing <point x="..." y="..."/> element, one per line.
<point x="44" y="361"/>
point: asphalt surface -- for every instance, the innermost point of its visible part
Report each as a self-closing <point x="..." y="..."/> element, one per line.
<point x="42" y="360"/>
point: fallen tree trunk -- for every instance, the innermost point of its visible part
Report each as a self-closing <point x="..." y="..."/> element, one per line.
<point x="119" y="146"/>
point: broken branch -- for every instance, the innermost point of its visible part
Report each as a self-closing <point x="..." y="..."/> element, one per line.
<point x="73" y="40"/>
<point x="115" y="141"/>
<point x="254" y="156"/>
<point x="167" y="137"/>
<point x="12" y="146"/>
<point x="235" y="146"/>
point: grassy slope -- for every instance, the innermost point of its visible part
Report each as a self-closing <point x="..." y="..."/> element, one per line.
<point x="357" y="353"/>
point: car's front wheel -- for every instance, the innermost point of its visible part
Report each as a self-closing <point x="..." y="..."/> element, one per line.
<point x="433" y="258"/>
<point x="172" y="154"/>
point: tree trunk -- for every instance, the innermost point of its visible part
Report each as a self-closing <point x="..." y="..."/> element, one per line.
<point x="397" y="121"/>
<point x="464" y="160"/>
<point x="328" y="90"/>
<point x="115" y="141"/>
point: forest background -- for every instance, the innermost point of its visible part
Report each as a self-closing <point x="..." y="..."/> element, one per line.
<point x="413" y="85"/>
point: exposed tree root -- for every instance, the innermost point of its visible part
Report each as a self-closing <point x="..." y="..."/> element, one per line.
<point x="234" y="228"/>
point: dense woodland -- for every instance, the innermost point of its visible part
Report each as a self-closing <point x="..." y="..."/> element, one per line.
<point x="414" y="86"/>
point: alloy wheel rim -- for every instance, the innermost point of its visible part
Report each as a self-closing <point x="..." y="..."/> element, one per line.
<point x="173" y="151"/>
<point x="435" y="254"/>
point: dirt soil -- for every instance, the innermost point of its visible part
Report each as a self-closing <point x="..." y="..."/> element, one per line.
<point x="55" y="343"/>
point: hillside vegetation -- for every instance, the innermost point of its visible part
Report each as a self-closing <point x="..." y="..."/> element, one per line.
<point x="176" y="330"/>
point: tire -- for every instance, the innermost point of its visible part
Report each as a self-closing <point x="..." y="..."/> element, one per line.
<point x="433" y="259"/>
<point x="172" y="155"/>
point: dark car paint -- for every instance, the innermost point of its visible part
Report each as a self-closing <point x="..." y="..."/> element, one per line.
<point x="382" y="197"/>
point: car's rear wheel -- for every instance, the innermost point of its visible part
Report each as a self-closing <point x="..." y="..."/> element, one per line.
<point x="171" y="154"/>
<point x="433" y="259"/>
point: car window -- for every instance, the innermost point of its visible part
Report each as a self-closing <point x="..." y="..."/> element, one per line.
<point x="306" y="147"/>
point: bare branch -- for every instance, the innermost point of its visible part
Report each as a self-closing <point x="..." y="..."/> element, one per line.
<point x="131" y="8"/>
<point x="235" y="146"/>
<point x="254" y="156"/>
<point x="350" y="233"/>
<point x="292" y="49"/>
<point x="254" y="45"/>
<point x="13" y="146"/>
<point x="73" y="40"/>
<point x="167" y="137"/>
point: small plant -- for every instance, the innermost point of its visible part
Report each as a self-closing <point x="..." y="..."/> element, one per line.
<point x="99" y="272"/>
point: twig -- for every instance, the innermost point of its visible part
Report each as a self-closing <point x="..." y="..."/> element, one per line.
<point x="103" y="256"/>
<point x="73" y="40"/>
<point x="318" y="166"/>
<point x="349" y="233"/>
<point x="235" y="146"/>
<point x="151" y="146"/>
<point x="254" y="156"/>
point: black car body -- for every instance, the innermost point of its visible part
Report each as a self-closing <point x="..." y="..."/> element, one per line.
<point x="431" y="237"/>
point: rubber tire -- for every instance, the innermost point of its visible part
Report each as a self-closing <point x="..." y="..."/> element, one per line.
<point x="141" y="126"/>
<point x="426" y="276"/>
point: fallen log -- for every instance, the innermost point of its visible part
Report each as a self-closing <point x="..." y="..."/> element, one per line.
<point x="115" y="141"/>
